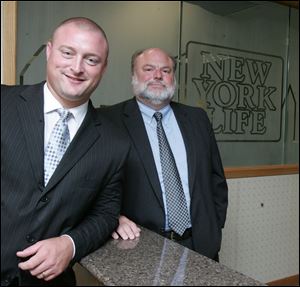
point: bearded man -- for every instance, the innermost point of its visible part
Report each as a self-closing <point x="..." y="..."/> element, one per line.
<point x="174" y="181"/>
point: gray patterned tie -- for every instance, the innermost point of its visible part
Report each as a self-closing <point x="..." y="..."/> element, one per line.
<point x="179" y="218"/>
<point x="57" y="145"/>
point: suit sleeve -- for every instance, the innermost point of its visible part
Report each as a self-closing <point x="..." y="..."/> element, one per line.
<point x="101" y="219"/>
<point x="219" y="184"/>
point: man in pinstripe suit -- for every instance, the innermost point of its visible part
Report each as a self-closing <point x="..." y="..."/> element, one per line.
<point x="46" y="228"/>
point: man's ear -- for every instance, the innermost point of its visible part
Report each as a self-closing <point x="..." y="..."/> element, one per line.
<point x="48" y="49"/>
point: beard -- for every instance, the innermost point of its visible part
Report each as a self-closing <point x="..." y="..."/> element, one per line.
<point x="140" y="89"/>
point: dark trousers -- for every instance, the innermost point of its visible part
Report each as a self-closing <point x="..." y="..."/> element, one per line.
<point x="189" y="244"/>
<point x="67" y="278"/>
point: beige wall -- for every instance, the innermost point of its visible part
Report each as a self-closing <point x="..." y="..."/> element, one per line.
<point x="261" y="234"/>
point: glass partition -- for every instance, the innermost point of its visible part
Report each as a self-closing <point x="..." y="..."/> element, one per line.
<point x="236" y="63"/>
<point x="236" y="59"/>
<point x="129" y="25"/>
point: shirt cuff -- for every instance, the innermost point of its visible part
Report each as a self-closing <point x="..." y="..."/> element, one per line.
<point x="74" y="249"/>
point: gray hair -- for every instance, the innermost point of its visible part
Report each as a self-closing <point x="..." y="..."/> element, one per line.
<point x="141" y="51"/>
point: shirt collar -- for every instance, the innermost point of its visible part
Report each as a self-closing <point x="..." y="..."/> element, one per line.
<point x="148" y="112"/>
<point x="51" y="104"/>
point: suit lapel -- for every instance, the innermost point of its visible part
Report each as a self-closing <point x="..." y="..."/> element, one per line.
<point x="135" y="125"/>
<point x="30" y="110"/>
<point x="31" y="113"/>
<point x="87" y="134"/>
<point x="186" y="128"/>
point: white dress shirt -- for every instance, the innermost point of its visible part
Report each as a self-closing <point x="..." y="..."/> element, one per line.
<point x="51" y="104"/>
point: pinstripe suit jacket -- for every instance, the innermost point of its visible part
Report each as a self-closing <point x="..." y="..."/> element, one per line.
<point x="142" y="196"/>
<point x="82" y="198"/>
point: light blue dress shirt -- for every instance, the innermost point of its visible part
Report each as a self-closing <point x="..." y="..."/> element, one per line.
<point x="176" y="142"/>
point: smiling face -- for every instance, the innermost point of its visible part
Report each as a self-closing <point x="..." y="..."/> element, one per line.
<point x="153" y="78"/>
<point x="76" y="62"/>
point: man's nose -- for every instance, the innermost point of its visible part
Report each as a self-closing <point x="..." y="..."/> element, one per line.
<point x="77" y="65"/>
<point x="157" y="74"/>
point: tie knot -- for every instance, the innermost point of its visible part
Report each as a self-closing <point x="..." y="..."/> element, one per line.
<point x="64" y="114"/>
<point x="158" y="116"/>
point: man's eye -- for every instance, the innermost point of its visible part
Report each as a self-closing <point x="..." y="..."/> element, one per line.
<point x="66" y="54"/>
<point x="92" y="61"/>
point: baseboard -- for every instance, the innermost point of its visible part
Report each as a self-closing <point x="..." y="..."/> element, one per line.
<point x="288" y="281"/>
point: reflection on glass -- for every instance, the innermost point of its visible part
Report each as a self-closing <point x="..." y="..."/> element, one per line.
<point x="235" y="63"/>
<point x="239" y="60"/>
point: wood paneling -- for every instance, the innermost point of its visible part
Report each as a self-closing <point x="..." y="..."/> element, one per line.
<point x="261" y="170"/>
<point x="9" y="30"/>
<point x="289" y="281"/>
<point x="293" y="4"/>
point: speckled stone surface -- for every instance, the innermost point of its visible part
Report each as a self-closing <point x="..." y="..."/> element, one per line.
<point x="153" y="260"/>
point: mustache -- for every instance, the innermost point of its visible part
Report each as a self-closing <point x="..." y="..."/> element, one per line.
<point x="156" y="82"/>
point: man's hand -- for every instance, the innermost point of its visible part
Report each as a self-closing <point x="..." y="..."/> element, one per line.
<point x="127" y="229"/>
<point x="48" y="258"/>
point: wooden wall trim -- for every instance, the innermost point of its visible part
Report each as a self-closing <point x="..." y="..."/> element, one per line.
<point x="9" y="44"/>
<point x="293" y="4"/>
<point x="261" y="170"/>
<point x="289" y="281"/>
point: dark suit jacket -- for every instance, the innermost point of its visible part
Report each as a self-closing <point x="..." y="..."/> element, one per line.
<point x="142" y="197"/>
<point x="82" y="198"/>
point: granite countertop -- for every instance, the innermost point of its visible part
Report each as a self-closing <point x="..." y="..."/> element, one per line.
<point x="155" y="260"/>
